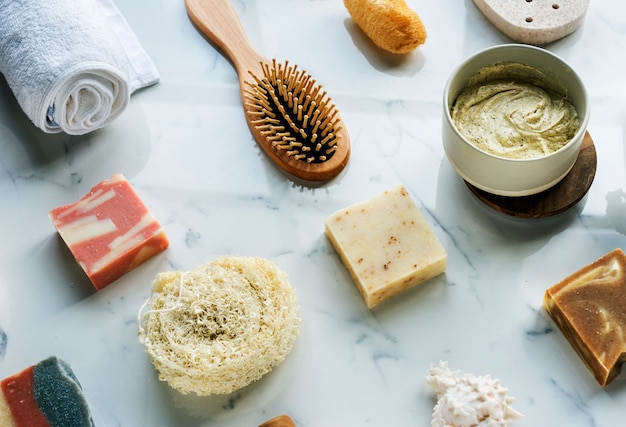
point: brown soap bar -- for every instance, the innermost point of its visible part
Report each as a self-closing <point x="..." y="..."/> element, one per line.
<point x="590" y="309"/>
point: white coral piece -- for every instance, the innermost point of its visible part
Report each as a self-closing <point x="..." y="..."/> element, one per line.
<point x="468" y="400"/>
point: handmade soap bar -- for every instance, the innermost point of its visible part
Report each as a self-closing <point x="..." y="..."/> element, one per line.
<point x="589" y="307"/>
<point x="109" y="231"/>
<point x="386" y="245"/>
<point x="47" y="394"/>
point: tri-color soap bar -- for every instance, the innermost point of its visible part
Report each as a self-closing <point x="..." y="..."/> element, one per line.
<point x="109" y="231"/>
<point x="47" y="394"/>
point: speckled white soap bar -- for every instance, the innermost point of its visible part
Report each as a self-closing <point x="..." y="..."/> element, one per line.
<point x="386" y="245"/>
<point x="536" y="22"/>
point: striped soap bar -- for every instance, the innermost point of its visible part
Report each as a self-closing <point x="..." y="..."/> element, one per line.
<point x="109" y="231"/>
<point x="47" y="394"/>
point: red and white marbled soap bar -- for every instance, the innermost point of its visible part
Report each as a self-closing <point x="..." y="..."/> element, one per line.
<point x="109" y="231"/>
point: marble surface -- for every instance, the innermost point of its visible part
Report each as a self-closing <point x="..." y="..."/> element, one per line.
<point x="185" y="147"/>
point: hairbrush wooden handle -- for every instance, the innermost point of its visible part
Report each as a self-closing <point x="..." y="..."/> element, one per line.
<point x="291" y="118"/>
<point x="219" y="22"/>
<point x="280" y="421"/>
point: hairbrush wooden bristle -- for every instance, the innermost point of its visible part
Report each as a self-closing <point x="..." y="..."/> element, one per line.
<point x="293" y="113"/>
<point x="289" y="114"/>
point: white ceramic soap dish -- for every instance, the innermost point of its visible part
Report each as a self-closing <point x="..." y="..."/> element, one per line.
<point x="536" y="22"/>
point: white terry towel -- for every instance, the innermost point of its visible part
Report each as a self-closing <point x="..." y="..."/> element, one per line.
<point x="71" y="64"/>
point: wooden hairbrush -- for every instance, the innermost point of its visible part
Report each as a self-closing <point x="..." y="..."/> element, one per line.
<point x="290" y="116"/>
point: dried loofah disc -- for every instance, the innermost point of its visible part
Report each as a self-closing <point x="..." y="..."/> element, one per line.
<point x="218" y="328"/>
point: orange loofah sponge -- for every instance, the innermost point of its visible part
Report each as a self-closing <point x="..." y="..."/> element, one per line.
<point x="391" y="24"/>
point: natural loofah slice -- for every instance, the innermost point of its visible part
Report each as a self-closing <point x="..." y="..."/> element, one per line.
<point x="217" y="328"/>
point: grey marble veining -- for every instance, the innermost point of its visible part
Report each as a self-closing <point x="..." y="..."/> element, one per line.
<point x="185" y="147"/>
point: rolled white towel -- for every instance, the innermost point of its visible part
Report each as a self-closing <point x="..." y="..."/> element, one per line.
<point x="72" y="65"/>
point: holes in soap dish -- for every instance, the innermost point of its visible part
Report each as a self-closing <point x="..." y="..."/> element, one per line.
<point x="529" y="19"/>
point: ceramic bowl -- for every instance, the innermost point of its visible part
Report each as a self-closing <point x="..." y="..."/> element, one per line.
<point x="505" y="176"/>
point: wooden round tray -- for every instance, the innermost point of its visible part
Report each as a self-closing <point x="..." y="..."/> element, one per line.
<point x="564" y="195"/>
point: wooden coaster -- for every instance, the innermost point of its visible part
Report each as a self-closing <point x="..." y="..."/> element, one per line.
<point x="565" y="194"/>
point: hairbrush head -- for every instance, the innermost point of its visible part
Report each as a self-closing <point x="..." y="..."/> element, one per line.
<point x="297" y="120"/>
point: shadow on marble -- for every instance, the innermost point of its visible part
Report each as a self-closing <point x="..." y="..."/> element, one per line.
<point x="19" y="135"/>
<point x="454" y="195"/>
<point x="250" y="398"/>
<point x="406" y="65"/>
<point x="57" y="255"/>
<point x="543" y="335"/>
<point x="69" y="158"/>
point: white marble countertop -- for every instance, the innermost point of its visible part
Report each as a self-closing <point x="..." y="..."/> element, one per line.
<point x="185" y="147"/>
